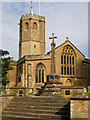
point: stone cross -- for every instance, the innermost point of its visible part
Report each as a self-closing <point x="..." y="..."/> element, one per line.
<point x="53" y="70"/>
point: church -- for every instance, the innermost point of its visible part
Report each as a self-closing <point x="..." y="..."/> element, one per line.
<point x="33" y="68"/>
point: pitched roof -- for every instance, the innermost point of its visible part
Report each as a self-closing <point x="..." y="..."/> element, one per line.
<point x="64" y="43"/>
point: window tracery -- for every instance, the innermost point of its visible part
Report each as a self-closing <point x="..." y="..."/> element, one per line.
<point x="40" y="71"/>
<point x="68" y="61"/>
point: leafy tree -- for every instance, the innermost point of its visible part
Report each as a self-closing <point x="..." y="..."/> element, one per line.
<point x="5" y="61"/>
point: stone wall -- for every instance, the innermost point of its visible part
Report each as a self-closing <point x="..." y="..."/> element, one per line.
<point x="5" y="100"/>
<point x="74" y="90"/>
<point x="80" y="108"/>
<point x="12" y="74"/>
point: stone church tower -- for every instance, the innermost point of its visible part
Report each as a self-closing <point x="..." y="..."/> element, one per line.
<point x="32" y="35"/>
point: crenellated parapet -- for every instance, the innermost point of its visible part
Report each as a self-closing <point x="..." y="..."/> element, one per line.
<point x="33" y="16"/>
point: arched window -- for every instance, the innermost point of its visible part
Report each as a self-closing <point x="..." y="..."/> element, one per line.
<point x="61" y="59"/>
<point x="68" y="61"/>
<point x="34" y="46"/>
<point x="40" y="73"/>
<point x="62" y="70"/>
<point x="35" y="26"/>
<point x="73" y="70"/>
<point x="36" y="76"/>
<point x="64" y="59"/>
<point x="65" y="70"/>
<point x="73" y="60"/>
<point x="26" y="24"/>
<point x="43" y="76"/>
<point x="70" y="70"/>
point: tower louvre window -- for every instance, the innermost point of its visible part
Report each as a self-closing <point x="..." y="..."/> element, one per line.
<point x="34" y="46"/>
<point x="35" y="26"/>
<point x="26" y="24"/>
<point x="68" y="61"/>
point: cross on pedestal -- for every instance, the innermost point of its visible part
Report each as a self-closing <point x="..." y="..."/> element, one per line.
<point x="52" y="37"/>
<point x="53" y="70"/>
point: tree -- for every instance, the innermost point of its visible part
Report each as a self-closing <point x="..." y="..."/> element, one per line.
<point x="5" y="61"/>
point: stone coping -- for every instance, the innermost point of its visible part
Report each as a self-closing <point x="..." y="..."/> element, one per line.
<point x="19" y="88"/>
<point x="34" y="57"/>
<point x="6" y="96"/>
<point x="53" y="82"/>
<point x="80" y="97"/>
<point x="72" y="87"/>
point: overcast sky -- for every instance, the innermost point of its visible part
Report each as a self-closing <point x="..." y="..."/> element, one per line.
<point x="63" y="18"/>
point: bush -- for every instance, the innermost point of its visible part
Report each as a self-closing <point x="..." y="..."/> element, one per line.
<point x="30" y="93"/>
<point x="87" y="93"/>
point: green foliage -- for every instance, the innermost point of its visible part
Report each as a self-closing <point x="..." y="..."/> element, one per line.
<point x="5" y="61"/>
<point x="30" y="93"/>
<point x="4" y="94"/>
<point x="87" y="93"/>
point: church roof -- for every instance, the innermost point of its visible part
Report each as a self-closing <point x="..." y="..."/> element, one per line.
<point x="63" y="44"/>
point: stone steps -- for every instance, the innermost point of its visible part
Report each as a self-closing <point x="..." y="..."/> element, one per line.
<point x="35" y="112"/>
<point x="39" y="98"/>
<point x="36" y="115"/>
<point x="37" y="108"/>
<point x="13" y="117"/>
<point x="41" y="101"/>
<point x="25" y="104"/>
<point x="52" y="111"/>
<point x="65" y="108"/>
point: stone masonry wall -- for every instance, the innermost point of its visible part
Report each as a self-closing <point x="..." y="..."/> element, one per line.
<point x="5" y="101"/>
<point x="80" y="108"/>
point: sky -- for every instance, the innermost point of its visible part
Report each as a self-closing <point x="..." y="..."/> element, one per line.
<point x="62" y="18"/>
